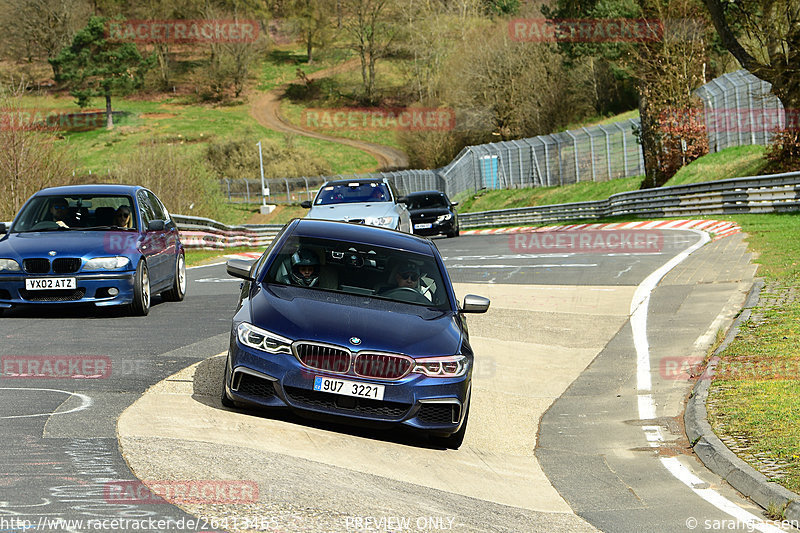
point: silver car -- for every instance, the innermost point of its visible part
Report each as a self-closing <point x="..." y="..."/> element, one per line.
<point x="373" y="202"/>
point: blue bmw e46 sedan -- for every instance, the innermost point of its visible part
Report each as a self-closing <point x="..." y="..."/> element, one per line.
<point x="353" y="323"/>
<point x="106" y="245"/>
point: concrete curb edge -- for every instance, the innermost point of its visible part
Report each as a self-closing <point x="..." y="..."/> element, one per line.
<point x="715" y="455"/>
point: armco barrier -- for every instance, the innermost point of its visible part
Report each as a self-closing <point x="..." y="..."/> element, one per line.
<point x="765" y="194"/>
<point x="198" y="232"/>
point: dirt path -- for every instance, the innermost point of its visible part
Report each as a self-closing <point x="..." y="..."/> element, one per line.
<point x="266" y="109"/>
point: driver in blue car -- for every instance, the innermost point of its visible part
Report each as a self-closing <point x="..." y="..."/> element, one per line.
<point x="305" y="268"/>
<point x="58" y="212"/>
<point x="406" y="275"/>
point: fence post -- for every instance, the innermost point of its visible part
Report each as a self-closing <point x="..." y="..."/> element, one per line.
<point x="247" y="187"/>
<point x="288" y="196"/>
<point x="308" y="193"/>
<point x="624" y="150"/>
<point x="591" y="151"/>
<point x="575" y="154"/>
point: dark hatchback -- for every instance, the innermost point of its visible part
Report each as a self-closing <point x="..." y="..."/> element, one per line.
<point x="432" y="213"/>
<point x="353" y="323"/>
<point x="102" y="245"/>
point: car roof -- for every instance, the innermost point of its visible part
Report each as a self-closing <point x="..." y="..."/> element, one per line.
<point x="355" y="180"/>
<point x="424" y="193"/>
<point x="359" y="233"/>
<point x="71" y="190"/>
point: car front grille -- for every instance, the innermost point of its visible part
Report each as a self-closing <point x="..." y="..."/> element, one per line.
<point x="326" y="358"/>
<point x="363" y="406"/>
<point x="55" y="295"/>
<point x="439" y="413"/>
<point x="255" y="386"/>
<point x="356" y="221"/>
<point x="36" y="266"/>
<point x="382" y="366"/>
<point x="66" y="265"/>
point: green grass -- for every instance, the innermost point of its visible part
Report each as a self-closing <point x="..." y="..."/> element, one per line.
<point x="488" y="200"/>
<point x="758" y="392"/>
<point x="196" y="257"/>
<point x="603" y="120"/>
<point x="281" y="64"/>
<point x="729" y="163"/>
<point x="189" y="127"/>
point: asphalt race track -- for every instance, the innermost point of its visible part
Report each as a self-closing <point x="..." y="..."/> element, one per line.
<point x="556" y="441"/>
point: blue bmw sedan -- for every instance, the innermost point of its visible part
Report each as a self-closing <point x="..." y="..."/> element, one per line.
<point x="107" y="245"/>
<point x="353" y="323"/>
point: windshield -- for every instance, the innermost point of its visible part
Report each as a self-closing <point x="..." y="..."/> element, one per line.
<point x="354" y="268"/>
<point x="353" y="192"/>
<point x="427" y="201"/>
<point x="85" y="212"/>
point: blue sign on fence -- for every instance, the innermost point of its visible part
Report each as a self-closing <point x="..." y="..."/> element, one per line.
<point x="488" y="164"/>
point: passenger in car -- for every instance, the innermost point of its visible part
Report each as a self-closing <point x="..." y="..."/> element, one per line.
<point x="122" y="218"/>
<point x="405" y="274"/>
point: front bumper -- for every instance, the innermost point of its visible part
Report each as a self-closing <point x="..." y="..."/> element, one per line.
<point x="445" y="227"/>
<point x="90" y="288"/>
<point x="281" y="381"/>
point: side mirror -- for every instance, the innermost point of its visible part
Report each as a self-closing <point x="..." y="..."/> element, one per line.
<point x="156" y="225"/>
<point x="239" y="268"/>
<point x="453" y="204"/>
<point x="402" y="200"/>
<point x="475" y="304"/>
<point x="3" y="229"/>
<point x="306" y="204"/>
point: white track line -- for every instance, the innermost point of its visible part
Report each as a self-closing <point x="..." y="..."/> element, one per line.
<point x="646" y="402"/>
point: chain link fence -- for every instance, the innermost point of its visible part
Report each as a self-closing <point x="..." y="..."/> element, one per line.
<point x="739" y="109"/>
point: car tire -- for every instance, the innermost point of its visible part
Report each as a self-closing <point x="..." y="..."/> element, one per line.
<point x="178" y="290"/>
<point x="455" y="440"/>
<point x="141" y="291"/>
<point x="454" y="233"/>
<point x="225" y="399"/>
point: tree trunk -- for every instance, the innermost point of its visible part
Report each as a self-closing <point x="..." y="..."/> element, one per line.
<point x="648" y="137"/>
<point x="109" y="115"/>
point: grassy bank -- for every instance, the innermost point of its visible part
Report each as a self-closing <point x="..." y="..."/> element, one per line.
<point x="757" y="397"/>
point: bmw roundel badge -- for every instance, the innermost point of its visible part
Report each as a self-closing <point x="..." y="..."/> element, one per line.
<point x="355" y="341"/>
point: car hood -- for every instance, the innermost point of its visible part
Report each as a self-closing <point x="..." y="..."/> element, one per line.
<point x="352" y="211"/>
<point x="336" y="318"/>
<point x="71" y="243"/>
<point x="428" y="214"/>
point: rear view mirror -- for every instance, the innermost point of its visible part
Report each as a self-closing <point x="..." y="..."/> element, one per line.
<point x="239" y="268"/>
<point x="475" y="304"/>
<point x="155" y="225"/>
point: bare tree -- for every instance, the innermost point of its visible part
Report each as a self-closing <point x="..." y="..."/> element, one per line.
<point x="30" y="158"/>
<point x="312" y="18"/>
<point x="371" y="27"/>
<point x="39" y="29"/>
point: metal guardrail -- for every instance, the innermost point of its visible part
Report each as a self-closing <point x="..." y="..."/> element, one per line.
<point x="766" y="194"/>
<point x="198" y="232"/>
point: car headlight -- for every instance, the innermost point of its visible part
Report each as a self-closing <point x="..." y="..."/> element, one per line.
<point x="385" y="222"/>
<point x="9" y="265"/>
<point x="263" y="340"/>
<point x="106" y="263"/>
<point x="450" y="366"/>
<point x="442" y="218"/>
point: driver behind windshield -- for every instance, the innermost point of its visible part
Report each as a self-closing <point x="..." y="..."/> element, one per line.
<point x="406" y="275"/>
<point x="122" y="217"/>
<point x="305" y="268"/>
<point x="58" y="212"/>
